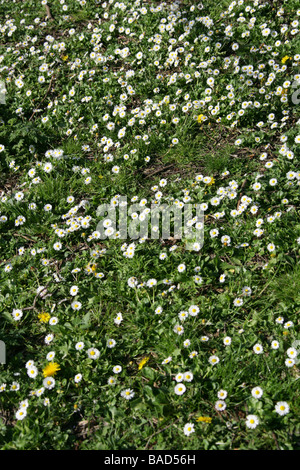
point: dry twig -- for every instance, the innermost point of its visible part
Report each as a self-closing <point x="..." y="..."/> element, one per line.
<point x="49" y="14"/>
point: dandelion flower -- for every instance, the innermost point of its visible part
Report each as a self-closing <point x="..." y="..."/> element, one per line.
<point x="143" y="362"/>
<point x="204" y="419"/>
<point x="51" y="369"/>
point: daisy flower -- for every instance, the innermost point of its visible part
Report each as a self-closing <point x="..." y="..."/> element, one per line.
<point x="238" y="302"/>
<point x="76" y="305"/>
<point x="282" y="408"/>
<point x="213" y="360"/>
<point x="21" y="414"/>
<point x="179" y="389"/>
<point x="252" y="421"/>
<point x="127" y="394"/>
<point x="93" y="353"/>
<point x="188" y="429"/>
<point x="258" y="349"/>
<point x="257" y="392"/>
<point x="49" y="383"/>
<point x="77" y="378"/>
<point x="188" y="376"/>
<point x="17" y="314"/>
<point x="181" y="268"/>
<point x="220" y="405"/>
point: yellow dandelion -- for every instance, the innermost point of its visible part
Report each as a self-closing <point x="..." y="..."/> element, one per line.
<point x="200" y="118"/>
<point x="143" y="362"/>
<point x="51" y="369"/>
<point x="44" y="317"/>
<point x="204" y="419"/>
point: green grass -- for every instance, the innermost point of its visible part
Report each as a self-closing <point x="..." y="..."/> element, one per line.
<point x="205" y="164"/>
<point x="285" y="288"/>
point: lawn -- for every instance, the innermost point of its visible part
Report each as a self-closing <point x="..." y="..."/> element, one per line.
<point x="131" y="339"/>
